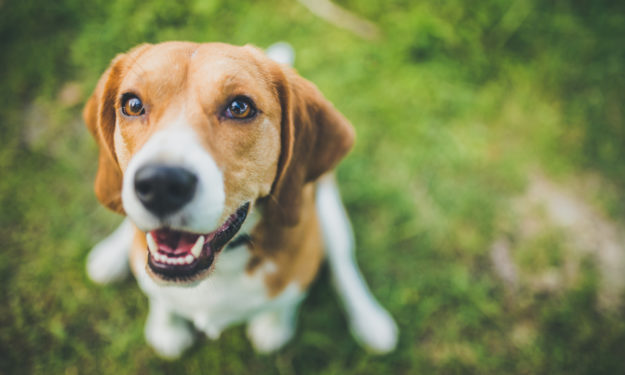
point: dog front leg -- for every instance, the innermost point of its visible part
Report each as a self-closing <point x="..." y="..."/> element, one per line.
<point x="272" y="329"/>
<point x="108" y="261"/>
<point x="167" y="333"/>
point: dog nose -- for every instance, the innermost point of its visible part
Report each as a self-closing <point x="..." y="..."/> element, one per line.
<point x="164" y="189"/>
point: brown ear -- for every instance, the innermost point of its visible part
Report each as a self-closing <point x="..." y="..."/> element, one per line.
<point x="100" y="116"/>
<point x="315" y="137"/>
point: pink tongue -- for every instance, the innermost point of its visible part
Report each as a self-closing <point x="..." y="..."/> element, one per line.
<point x="173" y="242"/>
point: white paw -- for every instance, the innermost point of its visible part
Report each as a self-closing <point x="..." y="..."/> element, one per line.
<point x="269" y="332"/>
<point x="204" y="324"/>
<point x="106" y="264"/>
<point x="169" y="340"/>
<point x="376" y="330"/>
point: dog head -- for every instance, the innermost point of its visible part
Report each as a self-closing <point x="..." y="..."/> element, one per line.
<point x="192" y="136"/>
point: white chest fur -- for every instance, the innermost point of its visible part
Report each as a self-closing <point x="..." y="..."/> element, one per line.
<point x="228" y="296"/>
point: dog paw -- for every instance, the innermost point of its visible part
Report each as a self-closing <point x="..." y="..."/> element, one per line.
<point x="204" y="324"/>
<point x="169" y="340"/>
<point x="375" y="330"/>
<point x="269" y="332"/>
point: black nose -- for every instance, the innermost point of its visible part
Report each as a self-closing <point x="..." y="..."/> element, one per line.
<point x="164" y="189"/>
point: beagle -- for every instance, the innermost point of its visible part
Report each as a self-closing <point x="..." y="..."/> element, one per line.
<point x="220" y="159"/>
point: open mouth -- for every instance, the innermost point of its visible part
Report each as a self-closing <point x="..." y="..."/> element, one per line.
<point x="183" y="256"/>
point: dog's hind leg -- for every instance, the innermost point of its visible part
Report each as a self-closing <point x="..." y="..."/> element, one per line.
<point x="108" y="260"/>
<point x="369" y="322"/>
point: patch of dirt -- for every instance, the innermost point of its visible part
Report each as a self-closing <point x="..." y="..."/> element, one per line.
<point x="582" y="230"/>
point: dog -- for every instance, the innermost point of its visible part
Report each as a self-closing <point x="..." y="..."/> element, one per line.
<point x="221" y="159"/>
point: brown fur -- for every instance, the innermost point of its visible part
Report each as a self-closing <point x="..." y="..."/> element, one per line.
<point x="296" y="250"/>
<point x="138" y="252"/>
<point x="272" y="159"/>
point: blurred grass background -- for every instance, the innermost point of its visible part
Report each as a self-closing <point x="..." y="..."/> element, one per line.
<point x="457" y="105"/>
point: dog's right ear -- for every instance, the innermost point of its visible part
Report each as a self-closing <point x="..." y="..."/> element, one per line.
<point x="314" y="138"/>
<point x="100" y="116"/>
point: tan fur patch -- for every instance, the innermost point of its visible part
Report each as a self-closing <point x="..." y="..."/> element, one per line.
<point x="296" y="250"/>
<point x="138" y="252"/>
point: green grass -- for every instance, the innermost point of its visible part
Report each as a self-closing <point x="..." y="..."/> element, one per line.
<point x="454" y="105"/>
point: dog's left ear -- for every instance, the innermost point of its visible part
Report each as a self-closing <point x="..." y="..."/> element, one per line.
<point x="314" y="138"/>
<point x="100" y="116"/>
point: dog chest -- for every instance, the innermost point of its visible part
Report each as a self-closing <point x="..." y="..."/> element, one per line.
<point x="231" y="295"/>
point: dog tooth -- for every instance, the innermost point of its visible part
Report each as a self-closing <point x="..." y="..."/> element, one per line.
<point x="152" y="246"/>
<point x="196" y="250"/>
<point x="188" y="259"/>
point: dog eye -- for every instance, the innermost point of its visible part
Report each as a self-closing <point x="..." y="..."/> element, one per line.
<point x="240" y="109"/>
<point x="132" y="105"/>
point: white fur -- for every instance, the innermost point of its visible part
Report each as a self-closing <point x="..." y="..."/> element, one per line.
<point x="108" y="261"/>
<point x="281" y="52"/>
<point x="228" y="296"/>
<point x="369" y="322"/>
<point x="168" y="334"/>
<point x="178" y="146"/>
<point x="270" y="330"/>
